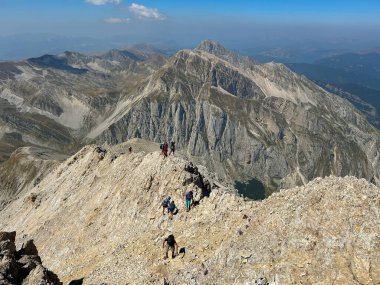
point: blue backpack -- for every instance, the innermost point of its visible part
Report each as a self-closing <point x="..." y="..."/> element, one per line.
<point x="171" y="207"/>
<point x="165" y="202"/>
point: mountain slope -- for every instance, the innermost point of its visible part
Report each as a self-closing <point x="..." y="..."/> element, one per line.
<point x="25" y="169"/>
<point x="354" y="77"/>
<point x="53" y="100"/>
<point x="102" y="220"/>
<point x="241" y="119"/>
<point x="245" y="120"/>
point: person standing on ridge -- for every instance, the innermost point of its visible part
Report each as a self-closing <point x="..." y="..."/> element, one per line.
<point x="165" y="149"/>
<point x="171" y="244"/>
<point x="188" y="200"/>
<point x="165" y="204"/>
<point x="172" y="148"/>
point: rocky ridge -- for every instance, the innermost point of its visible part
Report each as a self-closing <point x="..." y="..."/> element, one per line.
<point x="23" y="266"/>
<point x="99" y="218"/>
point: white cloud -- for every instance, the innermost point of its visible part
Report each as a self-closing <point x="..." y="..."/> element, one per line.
<point x="103" y="2"/>
<point x="116" y="20"/>
<point x="145" y="13"/>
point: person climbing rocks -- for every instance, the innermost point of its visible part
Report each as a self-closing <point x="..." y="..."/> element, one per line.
<point x="172" y="147"/>
<point x="171" y="244"/>
<point x="171" y="209"/>
<point x="165" y="149"/>
<point x="165" y="204"/>
<point x="188" y="200"/>
<point x="130" y="149"/>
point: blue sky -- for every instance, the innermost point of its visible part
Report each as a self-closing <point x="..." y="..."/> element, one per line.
<point x="242" y="23"/>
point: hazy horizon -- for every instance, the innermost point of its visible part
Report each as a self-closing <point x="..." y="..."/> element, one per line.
<point x="32" y="29"/>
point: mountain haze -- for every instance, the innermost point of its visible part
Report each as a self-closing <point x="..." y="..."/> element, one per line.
<point x="353" y="76"/>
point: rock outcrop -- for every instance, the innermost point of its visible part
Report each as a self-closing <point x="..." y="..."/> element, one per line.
<point x="101" y="220"/>
<point x="23" y="266"/>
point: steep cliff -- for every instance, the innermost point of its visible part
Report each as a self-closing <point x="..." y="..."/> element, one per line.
<point x="243" y="120"/>
<point x="99" y="217"/>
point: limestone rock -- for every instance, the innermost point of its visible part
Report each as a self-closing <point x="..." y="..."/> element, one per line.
<point x="24" y="266"/>
<point x="104" y="226"/>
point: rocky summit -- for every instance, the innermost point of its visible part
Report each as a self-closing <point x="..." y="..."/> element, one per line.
<point x="98" y="216"/>
<point x="239" y="118"/>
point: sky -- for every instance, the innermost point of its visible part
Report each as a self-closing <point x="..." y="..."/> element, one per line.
<point x="240" y="24"/>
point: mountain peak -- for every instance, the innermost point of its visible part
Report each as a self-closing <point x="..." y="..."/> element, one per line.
<point x="212" y="47"/>
<point x="218" y="50"/>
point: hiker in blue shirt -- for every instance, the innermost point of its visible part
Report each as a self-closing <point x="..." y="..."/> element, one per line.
<point x="172" y="209"/>
<point x="165" y="204"/>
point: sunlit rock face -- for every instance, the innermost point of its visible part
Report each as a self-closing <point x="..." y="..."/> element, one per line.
<point x="98" y="216"/>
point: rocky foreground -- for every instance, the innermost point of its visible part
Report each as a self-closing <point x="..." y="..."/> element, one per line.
<point x="97" y="216"/>
<point x="23" y="266"/>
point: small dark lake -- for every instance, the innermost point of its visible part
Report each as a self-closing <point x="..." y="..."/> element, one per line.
<point x="252" y="189"/>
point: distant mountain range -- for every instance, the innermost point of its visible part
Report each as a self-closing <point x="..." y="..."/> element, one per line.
<point x="23" y="46"/>
<point x="355" y="77"/>
<point x="239" y="118"/>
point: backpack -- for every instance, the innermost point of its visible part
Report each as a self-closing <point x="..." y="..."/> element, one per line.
<point x="170" y="240"/>
<point x="165" y="202"/>
<point x="189" y="195"/>
<point x="171" y="207"/>
<point x="162" y="146"/>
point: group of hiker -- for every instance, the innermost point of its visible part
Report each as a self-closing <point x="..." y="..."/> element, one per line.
<point x="165" y="148"/>
<point x="168" y="205"/>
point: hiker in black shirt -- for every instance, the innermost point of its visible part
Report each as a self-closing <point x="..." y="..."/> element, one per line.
<point x="172" y="245"/>
<point x="172" y="148"/>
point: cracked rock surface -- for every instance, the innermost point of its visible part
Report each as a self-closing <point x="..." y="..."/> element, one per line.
<point x="101" y="220"/>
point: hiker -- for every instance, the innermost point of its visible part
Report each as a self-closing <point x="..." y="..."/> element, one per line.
<point x="171" y="209"/>
<point x="165" y="204"/>
<point x="172" y="148"/>
<point x="171" y="244"/>
<point x="130" y="149"/>
<point x="165" y="149"/>
<point x="188" y="200"/>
